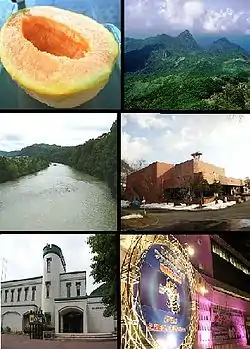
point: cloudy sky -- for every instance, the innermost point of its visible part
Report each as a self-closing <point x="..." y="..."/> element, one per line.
<point x="23" y="129"/>
<point x="151" y="17"/>
<point x="223" y="139"/>
<point x="24" y="257"/>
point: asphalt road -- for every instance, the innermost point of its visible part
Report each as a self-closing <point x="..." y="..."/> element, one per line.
<point x="236" y="217"/>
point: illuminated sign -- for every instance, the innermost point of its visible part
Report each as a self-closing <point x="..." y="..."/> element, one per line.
<point x="164" y="297"/>
<point x="158" y="304"/>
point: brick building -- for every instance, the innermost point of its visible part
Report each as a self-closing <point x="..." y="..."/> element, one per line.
<point x="156" y="179"/>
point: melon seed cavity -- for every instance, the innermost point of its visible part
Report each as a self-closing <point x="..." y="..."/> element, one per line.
<point x="50" y="36"/>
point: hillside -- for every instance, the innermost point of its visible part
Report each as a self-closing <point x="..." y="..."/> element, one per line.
<point x="12" y="168"/>
<point x="175" y="73"/>
<point x="9" y="153"/>
<point x="96" y="157"/>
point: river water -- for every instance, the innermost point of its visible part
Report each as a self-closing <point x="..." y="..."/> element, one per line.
<point x="57" y="198"/>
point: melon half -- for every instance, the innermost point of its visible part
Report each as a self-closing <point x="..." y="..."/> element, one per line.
<point x="58" y="57"/>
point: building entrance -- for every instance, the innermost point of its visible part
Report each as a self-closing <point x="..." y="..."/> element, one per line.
<point x="73" y="322"/>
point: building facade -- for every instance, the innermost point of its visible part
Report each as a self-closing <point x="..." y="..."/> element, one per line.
<point x="223" y="301"/>
<point x="61" y="296"/>
<point x="152" y="181"/>
<point x="227" y="278"/>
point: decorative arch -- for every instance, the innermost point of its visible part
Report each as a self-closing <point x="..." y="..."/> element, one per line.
<point x="16" y="320"/>
<point x="11" y="311"/>
<point x="70" y="319"/>
<point x="68" y="308"/>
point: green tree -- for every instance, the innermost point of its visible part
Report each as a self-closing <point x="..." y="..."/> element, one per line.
<point x="199" y="186"/>
<point x="104" y="267"/>
<point x="216" y="187"/>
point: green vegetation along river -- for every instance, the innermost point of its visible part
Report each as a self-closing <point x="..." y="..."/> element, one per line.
<point x="57" y="198"/>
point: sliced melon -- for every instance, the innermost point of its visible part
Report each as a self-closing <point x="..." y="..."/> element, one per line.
<point x="58" y="57"/>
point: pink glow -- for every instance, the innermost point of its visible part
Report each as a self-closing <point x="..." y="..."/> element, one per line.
<point x="203" y="255"/>
<point x="205" y="339"/>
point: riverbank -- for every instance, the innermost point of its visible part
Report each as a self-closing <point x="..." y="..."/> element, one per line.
<point x="12" y="168"/>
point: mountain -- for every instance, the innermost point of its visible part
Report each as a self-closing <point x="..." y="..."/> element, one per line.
<point x="9" y="153"/>
<point x="137" y="59"/>
<point x="184" y="42"/>
<point x="187" y="40"/>
<point x="223" y="45"/>
<point x="41" y="149"/>
<point x="175" y="73"/>
<point x="153" y="52"/>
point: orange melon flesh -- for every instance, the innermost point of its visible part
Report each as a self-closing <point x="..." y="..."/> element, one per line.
<point x="59" y="57"/>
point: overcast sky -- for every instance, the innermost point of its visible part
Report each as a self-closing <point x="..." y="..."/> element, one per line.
<point x="223" y="139"/>
<point x="151" y="17"/>
<point x="24" y="254"/>
<point x="23" y="129"/>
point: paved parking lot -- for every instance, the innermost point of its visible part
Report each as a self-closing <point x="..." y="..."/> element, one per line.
<point x="9" y="341"/>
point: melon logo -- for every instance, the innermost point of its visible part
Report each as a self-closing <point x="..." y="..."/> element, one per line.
<point x="173" y="297"/>
<point x="164" y="302"/>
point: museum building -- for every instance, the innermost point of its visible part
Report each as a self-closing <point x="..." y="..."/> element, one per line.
<point x="158" y="179"/>
<point x="222" y="292"/>
<point x="60" y="295"/>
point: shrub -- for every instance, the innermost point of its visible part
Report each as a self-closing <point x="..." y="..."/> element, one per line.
<point x="48" y="328"/>
<point x="6" y="329"/>
<point x="26" y="329"/>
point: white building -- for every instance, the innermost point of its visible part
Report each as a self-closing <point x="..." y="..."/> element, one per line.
<point x="62" y="297"/>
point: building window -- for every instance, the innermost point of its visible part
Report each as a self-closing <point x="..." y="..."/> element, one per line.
<point x="18" y="294"/>
<point x="6" y="296"/>
<point x="68" y="285"/>
<point x="33" y="293"/>
<point x="78" y="289"/>
<point x="47" y="285"/>
<point x="49" y="260"/>
<point x="26" y="290"/>
<point x="12" y="295"/>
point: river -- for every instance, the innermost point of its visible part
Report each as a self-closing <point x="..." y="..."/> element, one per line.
<point x="57" y="198"/>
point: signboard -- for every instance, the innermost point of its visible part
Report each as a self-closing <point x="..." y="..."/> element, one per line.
<point x="247" y="322"/>
<point x="227" y="325"/>
<point x="164" y="306"/>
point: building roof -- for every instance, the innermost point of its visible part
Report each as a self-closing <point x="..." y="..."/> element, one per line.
<point x="99" y="291"/>
<point x="27" y="279"/>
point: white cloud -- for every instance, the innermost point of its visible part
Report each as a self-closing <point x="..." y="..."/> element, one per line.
<point x="179" y="12"/>
<point x="146" y="120"/>
<point x="134" y="148"/>
<point x="56" y="128"/>
<point x="23" y="253"/>
<point x="223" y="139"/>
<point x="166" y="16"/>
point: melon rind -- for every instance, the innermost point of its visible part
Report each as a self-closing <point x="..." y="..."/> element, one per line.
<point x="61" y="95"/>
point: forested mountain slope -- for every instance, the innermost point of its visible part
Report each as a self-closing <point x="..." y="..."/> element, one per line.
<point x="14" y="167"/>
<point x="175" y="73"/>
